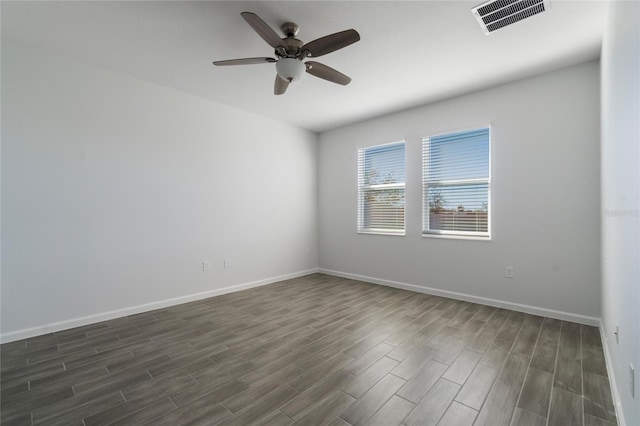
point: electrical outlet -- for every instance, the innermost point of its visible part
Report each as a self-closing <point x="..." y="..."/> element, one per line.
<point x="205" y="266"/>
<point x="509" y="272"/>
<point x="227" y="263"/>
<point x="632" y="380"/>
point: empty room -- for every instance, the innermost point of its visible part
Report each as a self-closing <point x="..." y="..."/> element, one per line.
<point x="320" y="213"/>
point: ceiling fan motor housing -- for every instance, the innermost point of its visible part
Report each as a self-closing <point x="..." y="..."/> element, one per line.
<point x="293" y="48"/>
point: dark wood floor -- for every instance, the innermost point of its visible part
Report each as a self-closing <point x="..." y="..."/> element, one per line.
<point x="311" y="351"/>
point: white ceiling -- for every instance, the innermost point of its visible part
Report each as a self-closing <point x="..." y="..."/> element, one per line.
<point x="410" y="53"/>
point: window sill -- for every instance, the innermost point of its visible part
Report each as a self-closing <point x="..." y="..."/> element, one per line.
<point x="390" y="233"/>
<point x="457" y="237"/>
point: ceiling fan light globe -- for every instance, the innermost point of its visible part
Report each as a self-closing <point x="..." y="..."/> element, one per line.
<point x="290" y="69"/>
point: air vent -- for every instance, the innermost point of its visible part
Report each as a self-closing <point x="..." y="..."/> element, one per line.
<point x="497" y="14"/>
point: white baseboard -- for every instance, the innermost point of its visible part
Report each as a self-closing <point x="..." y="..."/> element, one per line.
<point x="565" y="316"/>
<point x="612" y="377"/>
<point x="104" y="316"/>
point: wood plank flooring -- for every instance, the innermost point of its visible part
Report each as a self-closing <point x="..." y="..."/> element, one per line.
<point x="316" y="350"/>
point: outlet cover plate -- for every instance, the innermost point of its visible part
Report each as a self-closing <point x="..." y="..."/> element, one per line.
<point x="509" y="272"/>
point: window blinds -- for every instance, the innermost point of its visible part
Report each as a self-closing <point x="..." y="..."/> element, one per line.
<point x="456" y="183"/>
<point x="381" y="182"/>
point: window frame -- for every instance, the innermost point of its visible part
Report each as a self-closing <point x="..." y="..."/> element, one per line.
<point x="363" y="189"/>
<point x="426" y="184"/>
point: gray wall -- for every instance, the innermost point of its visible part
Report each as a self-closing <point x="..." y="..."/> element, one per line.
<point x="114" y="190"/>
<point x="545" y="199"/>
<point x="621" y="199"/>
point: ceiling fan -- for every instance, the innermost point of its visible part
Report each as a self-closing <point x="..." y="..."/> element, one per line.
<point x="290" y="52"/>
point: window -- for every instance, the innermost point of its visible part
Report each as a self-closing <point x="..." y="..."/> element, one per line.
<point x="381" y="178"/>
<point x="456" y="184"/>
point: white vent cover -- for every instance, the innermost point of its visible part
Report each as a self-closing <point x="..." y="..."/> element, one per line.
<point x="496" y="14"/>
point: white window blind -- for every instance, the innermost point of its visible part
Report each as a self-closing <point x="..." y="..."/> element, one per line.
<point x="381" y="181"/>
<point x="456" y="183"/>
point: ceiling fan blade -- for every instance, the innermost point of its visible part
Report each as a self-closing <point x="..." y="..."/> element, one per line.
<point x="265" y="31"/>
<point x="280" y="86"/>
<point x="325" y="72"/>
<point x="330" y="43"/>
<point x="245" y="61"/>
